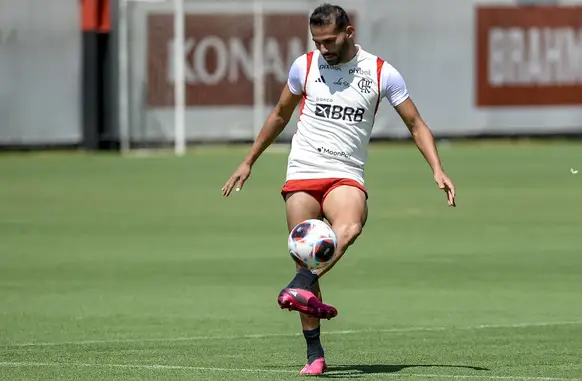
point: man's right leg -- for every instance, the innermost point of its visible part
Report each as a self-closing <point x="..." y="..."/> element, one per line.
<point x="301" y="206"/>
<point x="303" y="293"/>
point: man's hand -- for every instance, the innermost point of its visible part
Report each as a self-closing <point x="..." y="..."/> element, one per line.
<point x="424" y="140"/>
<point x="239" y="177"/>
<point x="447" y="186"/>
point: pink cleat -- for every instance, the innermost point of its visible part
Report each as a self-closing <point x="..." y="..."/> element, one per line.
<point x="296" y="299"/>
<point x="317" y="367"/>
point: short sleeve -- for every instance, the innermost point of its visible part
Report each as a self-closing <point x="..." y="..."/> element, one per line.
<point x="393" y="85"/>
<point x="297" y="75"/>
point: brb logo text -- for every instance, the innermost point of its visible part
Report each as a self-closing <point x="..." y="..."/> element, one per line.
<point x="336" y="112"/>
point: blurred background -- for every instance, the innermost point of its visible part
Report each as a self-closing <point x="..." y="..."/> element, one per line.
<point x="104" y="74"/>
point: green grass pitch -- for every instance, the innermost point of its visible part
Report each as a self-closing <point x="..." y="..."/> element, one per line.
<point x="136" y="268"/>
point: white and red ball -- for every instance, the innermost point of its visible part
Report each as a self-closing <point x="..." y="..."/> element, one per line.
<point x="312" y="244"/>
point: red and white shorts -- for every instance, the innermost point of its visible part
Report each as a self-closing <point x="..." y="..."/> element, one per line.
<point x="319" y="188"/>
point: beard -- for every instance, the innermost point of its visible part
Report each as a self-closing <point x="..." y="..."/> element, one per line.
<point x="337" y="57"/>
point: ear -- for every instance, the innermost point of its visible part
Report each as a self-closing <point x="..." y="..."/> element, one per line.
<point x="350" y="31"/>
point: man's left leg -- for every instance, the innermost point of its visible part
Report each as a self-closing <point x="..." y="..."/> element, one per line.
<point x="346" y="208"/>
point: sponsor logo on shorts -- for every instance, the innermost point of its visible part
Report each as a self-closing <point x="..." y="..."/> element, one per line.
<point x="329" y="152"/>
<point x="337" y="112"/>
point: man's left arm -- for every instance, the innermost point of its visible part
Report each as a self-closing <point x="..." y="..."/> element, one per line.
<point x="424" y="140"/>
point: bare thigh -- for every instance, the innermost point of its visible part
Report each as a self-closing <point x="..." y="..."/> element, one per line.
<point x="346" y="208"/>
<point x="301" y="206"/>
<point x="346" y="205"/>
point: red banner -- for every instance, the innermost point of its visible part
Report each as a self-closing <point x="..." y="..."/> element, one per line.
<point x="219" y="60"/>
<point x="529" y="56"/>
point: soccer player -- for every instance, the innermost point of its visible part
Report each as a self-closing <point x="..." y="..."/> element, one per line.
<point x="339" y="86"/>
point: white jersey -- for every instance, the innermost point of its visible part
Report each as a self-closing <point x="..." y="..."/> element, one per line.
<point x="337" y="113"/>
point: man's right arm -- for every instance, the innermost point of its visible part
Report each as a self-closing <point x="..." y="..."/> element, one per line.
<point x="274" y="125"/>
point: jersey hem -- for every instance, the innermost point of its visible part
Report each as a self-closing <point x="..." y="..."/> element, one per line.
<point x="326" y="175"/>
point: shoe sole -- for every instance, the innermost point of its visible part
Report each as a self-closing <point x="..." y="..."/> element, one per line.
<point x="287" y="301"/>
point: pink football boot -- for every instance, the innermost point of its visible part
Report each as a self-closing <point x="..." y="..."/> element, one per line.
<point x="296" y="299"/>
<point x="317" y="367"/>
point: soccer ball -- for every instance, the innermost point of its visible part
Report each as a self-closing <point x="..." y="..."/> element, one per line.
<point x="312" y="244"/>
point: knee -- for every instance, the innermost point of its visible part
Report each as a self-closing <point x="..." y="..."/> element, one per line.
<point x="348" y="233"/>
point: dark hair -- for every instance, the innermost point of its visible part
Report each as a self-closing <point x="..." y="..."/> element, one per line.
<point x="328" y="14"/>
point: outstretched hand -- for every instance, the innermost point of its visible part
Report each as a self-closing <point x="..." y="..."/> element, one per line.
<point x="237" y="179"/>
<point x="447" y="186"/>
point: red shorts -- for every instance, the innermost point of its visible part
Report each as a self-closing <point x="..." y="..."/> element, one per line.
<point x="319" y="188"/>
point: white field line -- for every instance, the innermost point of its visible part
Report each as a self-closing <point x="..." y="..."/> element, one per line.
<point x="8" y="364"/>
<point x="275" y="335"/>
